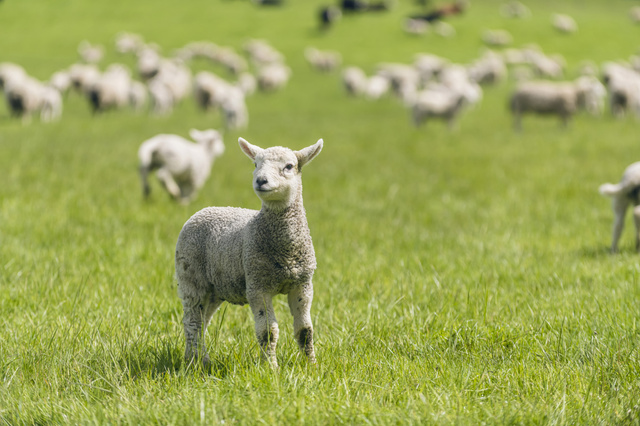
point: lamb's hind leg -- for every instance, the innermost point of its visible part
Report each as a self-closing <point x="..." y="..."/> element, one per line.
<point x="620" y="205"/>
<point x="300" y="306"/>
<point x="266" y="326"/>
<point x="636" y="220"/>
<point x="165" y="177"/>
<point x="198" y="311"/>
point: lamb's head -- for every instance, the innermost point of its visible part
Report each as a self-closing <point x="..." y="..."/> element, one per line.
<point x="277" y="177"/>
<point x="210" y="139"/>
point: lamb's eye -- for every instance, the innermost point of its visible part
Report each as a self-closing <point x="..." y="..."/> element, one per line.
<point x="288" y="167"/>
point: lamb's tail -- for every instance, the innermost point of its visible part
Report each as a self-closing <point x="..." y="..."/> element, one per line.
<point x="610" y="189"/>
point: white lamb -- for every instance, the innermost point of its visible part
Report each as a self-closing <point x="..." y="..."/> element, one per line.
<point x="246" y="256"/>
<point x="182" y="166"/>
<point x="624" y="193"/>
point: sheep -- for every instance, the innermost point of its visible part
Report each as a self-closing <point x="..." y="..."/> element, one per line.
<point x="247" y="83"/>
<point x="456" y="78"/>
<point x="181" y="166"/>
<point x="325" y="61"/>
<point x="564" y="23"/>
<point x="112" y="89"/>
<point x="626" y="192"/>
<point x="416" y="26"/>
<point x="354" y="80"/>
<point x="61" y="81"/>
<point x="328" y="15"/>
<point x="128" y="43"/>
<point x="10" y="72"/>
<point x="170" y="84"/>
<point x="246" y="256"/>
<point x="273" y="76"/>
<point x="262" y="53"/>
<point x="138" y="95"/>
<point x="515" y="9"/>
<point x="83" y="76"/>
<point x="489" y="69"/>
<point x="209" y="90"/>
<point x="556" y="98"/>
<point x="229" y="59"/>
<point x="26" y="96"/>
<point x="404" y="79"/>
<point x="634" y="14"/>
<point x="234" y="109"/>
<point x="428" y="66"/>
<point x="91" y="54"/>
<point x="497" y="38"/>
<point x="377" y="86"/>
<point x="436" y="101"/>
<point x="624" y="88"/>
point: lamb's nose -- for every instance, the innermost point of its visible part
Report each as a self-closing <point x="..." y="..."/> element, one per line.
<point x="261" y="181"/>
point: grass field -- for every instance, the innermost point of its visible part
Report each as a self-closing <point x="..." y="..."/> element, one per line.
<point x="463" y="276"/>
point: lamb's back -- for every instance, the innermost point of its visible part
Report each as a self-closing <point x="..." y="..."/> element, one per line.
<point x="209" y="252"/>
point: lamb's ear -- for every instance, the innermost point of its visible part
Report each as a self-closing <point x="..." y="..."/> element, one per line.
<point x="307" y="154"/>
<point x="250" y="150"/>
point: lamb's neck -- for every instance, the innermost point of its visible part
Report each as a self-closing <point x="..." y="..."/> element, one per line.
<point x="286" y="223"/>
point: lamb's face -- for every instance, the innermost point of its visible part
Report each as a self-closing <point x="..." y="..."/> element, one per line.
<point x="276" y="177"/>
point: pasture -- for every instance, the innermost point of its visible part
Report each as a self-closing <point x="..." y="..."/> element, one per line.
<point x="463" y="276"/>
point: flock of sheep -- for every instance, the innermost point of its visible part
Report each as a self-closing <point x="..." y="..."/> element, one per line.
<point x="163" y="81"/>
<point x="244" y="256"/>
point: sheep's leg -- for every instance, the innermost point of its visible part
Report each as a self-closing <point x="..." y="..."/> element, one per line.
<point x="266" y="326"/>
<point x="144" y="178"/>
<point x="197" y="314"/>
<point x="300" y="300"/>
<point x="187" y="191"/>
<point x="619" y="209"/>
<point x="165" y="177"/>
<point x="636" y="219"/>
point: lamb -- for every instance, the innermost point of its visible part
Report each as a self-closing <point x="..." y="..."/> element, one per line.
<point x="626" y="192"/>
<point x="246" y="256"/>
<point x="548" y="97"/>
<point x="182" y="167"/>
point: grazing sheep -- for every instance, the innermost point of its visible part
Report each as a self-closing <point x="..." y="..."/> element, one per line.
<point x="626" y="192"/>
<point x="161" y="97"/>
<point x="128" y="43"/>
<point x="328" y="15"/>
<point x="262" y="53"/>
<point x="27" y="96"/>
<point x="377" y="86"/>
<point x="416" y="26"/>
<point x="233" y="62"/>
<point x="246" y="256"/>
<point x="138" y="95"/>
<point x="209" y="90"/>
<point x="497" y="38"/>
<point x="514" y="9"/>
<point x="634" y="14"/>
<point x="429" y="66"/>
<point x="564" y="23"/>
<point x="111" y="90"/>
<point x="247" y="83"/>
<point x="624" y="88"/>
<point x="91" y="54"/>
<point x="170" y="84"/>
<point x="555" y="98"/>
<point x="437" y="101"/>
<point x="10" y="72"/>
<point x="490" y="69"/>
<point x="354" y="80"/>
<point x="404" y="79"/>
<point x="181" y="166"/>
<point x="325" y="61"/>
<point x="234" y="109"/>
<point x="83" y="76"/>
<point x="273" y="76"/>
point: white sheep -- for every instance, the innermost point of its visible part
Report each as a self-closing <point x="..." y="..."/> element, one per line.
<point x="273" y="76"/>
<point x="171" y="83"/>
<point x="91" y="54"/>
<point x="497" y="38"/>
<point x="234" y="109"/>
<point x="262" y="53"/>
<point x="10" y="72"/>
<point x="209" y="90"/>
<point x="83" y="76"/>
<point x="128" y="42"/>
<point x="624" y="193"/>
<point x="61" y="81"/>
<point x="553" y="98"/>
<point x="247" y="83"/>
<point x="246" y="256"/>
<point x="624" y="88"/>
<point x="181" y="166"/>
<point x="564" y="23"/>
<point x="436" y="101"/>
<point x="322" y="60"/>
<point x="514" y="9"/>
<point x="489" y="69"/>
<point x="354" y="80"/>
<point x="138" y="95"/>
<point x="112" y="89"/>
<point x="634" y="14"/>
<point x="27" y="96"/>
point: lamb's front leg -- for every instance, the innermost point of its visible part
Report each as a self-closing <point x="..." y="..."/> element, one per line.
<point x="300" y="299"/>
<point x="620" y="205"/>
<point x="266" y="326"/>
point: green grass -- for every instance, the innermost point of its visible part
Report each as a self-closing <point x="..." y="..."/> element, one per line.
<point x="463" y="276"/>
